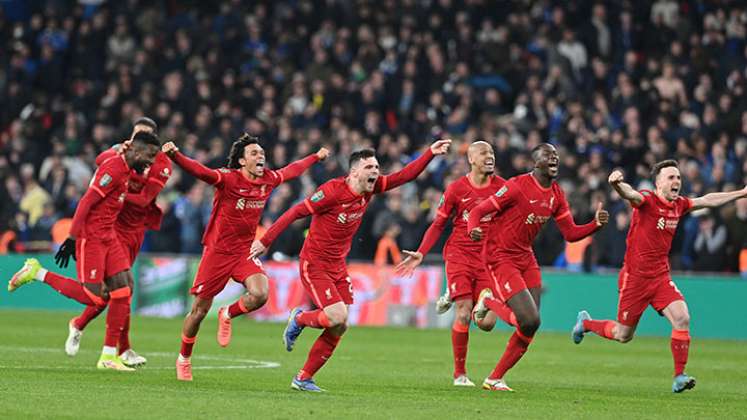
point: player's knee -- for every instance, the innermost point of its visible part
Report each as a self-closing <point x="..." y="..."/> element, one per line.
<point x="529" y="324"/>
<point x="625" y="337"/>
<point x="681" y="321"/>
<point x="199" y="312"/>
<point x="339" y="330"/>
<point x="337" y="317"/>
<point x="462" y="318"/>
<point x="258" y="296"/>
<point x="486" y="325"/>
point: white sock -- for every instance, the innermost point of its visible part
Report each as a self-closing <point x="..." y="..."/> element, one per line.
<point x="40" y="274"/>
<point x="182" y="358"/>
<point x="109" y="351"/>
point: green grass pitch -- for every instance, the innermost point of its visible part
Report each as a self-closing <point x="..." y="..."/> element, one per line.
<point x="375" y="373"/>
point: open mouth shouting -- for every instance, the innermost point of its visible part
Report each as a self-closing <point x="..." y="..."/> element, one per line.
<point x="552" y="166"/>
<point x="370" y="182"/>
<point x="489" y="165"/>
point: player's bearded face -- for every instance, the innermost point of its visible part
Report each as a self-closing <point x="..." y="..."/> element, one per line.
<point x="254" y="160"/>
<point x="366" y="172"/>
<point x="144" y="157"/>
<point x="669" y="183"/>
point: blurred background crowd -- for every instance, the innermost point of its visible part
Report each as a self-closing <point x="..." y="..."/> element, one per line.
<point x="611" y="84"/>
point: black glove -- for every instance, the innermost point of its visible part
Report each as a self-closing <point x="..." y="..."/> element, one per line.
<point x="67" y="249"/>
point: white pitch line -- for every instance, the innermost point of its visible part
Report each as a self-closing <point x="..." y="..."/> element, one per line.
<point x="235" y="363"/>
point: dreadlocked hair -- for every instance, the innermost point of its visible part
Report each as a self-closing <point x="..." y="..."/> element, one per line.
<point x="237" y="149"/>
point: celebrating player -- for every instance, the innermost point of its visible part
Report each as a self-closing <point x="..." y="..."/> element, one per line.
<point x="138" y="213"/>
<point x="93" y="240"/>
<point x="645" y="276"/>
<point x="241" y="191"/>
<point x="337" y="208"/>
<point x="523" y="205"/>
<point x="465" y="272"/>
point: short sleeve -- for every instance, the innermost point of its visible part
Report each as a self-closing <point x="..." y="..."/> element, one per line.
<point x="647" y="197"/>
<point x="112" y="172"/>
<point x="447" y="203"/>
<point x="161" y="171"/>
<point x="562" y="209"/>
<point x="323" y="199"/>
<point x="505" y="197"/>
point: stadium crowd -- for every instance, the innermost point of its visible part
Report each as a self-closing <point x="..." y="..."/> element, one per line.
<point x="611" y="84"/>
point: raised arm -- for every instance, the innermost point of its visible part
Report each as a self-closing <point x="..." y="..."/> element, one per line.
<point x="717" y="199"/>
<point x="413" y="169"/>
<point x="298" y="167"/>
<point x="624" y="189"/>
<point x="193" y="167"/>
<point x="294" y="213"/>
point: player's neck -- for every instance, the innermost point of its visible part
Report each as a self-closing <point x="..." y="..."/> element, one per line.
<point x="354" y="187"/>
<point x="248" y="175"/>
<point x="544" y="181"/>
<point x="478" y="179"/>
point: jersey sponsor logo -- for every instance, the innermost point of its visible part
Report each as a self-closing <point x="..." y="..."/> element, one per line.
<point x="317" y="196"/>
<point x="105" y="180"/>
<point x="348" y="217"/>
<point x="666" y="224"/>
<point x="535" y="219"/>
<point x="502" y="191"/>
<point x="243" y="203"/>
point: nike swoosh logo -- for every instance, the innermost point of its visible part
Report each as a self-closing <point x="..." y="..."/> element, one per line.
<point x="347" y="205"/>
<point x="242" y="190"/>
<point x="533" y="201"/>
<point x="464" y="200"/>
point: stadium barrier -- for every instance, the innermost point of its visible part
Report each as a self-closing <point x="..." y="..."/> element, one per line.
<point x="382" y="298"/>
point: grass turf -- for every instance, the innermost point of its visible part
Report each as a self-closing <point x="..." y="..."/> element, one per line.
<point x="375" y="373"/>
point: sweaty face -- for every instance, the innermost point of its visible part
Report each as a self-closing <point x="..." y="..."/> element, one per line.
<point x="365" y="173"/>
<point x="145" y="154"/>
<point x="548" y="161"/>
<point x="482" y="157"/>
<point x="254" y="159"/>
<point x="669" y="183"/>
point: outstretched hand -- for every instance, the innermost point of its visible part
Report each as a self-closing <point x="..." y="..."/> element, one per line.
<point x="323" y="153"/>
<point x="616" y="177"/>
<point x="441" y="147"/>
<point x="67" y="250"/>
<point x="601" y="216"/>
<point x="407" y="266"/>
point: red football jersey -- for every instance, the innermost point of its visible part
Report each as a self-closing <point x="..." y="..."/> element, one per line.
<point x="133" y="216"/>
<point x="110" y="181"/>
<point x="459" y="198"/>
<point x="336" y="212"/>
<point x="651" y="232"/>
<point x="237" y="209"/>
<point x="525" y="206"/>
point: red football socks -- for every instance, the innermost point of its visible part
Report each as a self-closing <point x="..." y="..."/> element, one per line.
<point x="69" y="288"/>
<point x="314" y="319"/>
<point x="517" y="346"/>
<point x="87" y="316"/>
<point x="680" y="346"/>
<point x="502" y="311"/>
<point x="320" y="352"/>
<point x="602" y="328"/>
<point x="187" y="344"/>
<point x="237" y="308"/>
<point x="124" y="337"/>
<point x="459" y="341"/>
<point x="119" y="310"/>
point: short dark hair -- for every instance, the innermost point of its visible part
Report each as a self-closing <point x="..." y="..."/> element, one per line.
<point x="360" y="155"/>
<point x="237" y="149"/>
<point x="537" y="149"/>
<point x="661" y="165"/>
<point x="147" y="138"/>
<point x="146" y="121"/>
